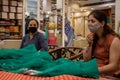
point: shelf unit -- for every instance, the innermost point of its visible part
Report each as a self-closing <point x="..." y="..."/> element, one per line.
<point x="11" y="19"/>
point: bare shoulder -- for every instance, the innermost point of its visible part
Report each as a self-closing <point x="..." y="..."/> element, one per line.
<point x="116" y="41"/>
<point x="116" y="44"/>
<point x="115" y="50"/>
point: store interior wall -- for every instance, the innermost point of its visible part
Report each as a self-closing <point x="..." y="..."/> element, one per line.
<point x="81" y="30"/>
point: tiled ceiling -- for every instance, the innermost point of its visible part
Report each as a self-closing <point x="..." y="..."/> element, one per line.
<point x="91" y="4"/>
<point x="84" y="3"/>
<point x="96" y="4"/>
<point x="53" y="1"/>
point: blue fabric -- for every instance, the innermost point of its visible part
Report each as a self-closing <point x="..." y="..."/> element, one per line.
<point x="68" y="32"/>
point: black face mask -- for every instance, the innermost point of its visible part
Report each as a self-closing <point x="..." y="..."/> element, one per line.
<point x="32" y="29"/>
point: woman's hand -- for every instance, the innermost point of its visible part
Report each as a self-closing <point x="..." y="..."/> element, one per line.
<point x="90" y="38"/>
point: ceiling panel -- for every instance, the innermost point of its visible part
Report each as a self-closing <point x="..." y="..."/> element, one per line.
<point x="86" y="2"/>
<point x="91" y="4"/>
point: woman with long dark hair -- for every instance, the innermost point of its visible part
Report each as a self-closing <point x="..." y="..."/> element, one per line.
<point x="104" y="44"/>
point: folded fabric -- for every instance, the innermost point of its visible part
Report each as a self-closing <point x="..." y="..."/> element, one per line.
<point x="17" y="53"/>
<point x="20" y="60"/>
<point x="28" y="60"/>
<point x="79" y="68"/>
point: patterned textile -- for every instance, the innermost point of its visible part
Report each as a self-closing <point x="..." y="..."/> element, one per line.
<point x="12" y="76"/>
<point x="52" y="47"/>
<point x="66" y="52"/>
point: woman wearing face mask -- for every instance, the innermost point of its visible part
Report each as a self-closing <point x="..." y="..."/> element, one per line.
<point x="34" y="37"/>
<point x="104" y="44"/>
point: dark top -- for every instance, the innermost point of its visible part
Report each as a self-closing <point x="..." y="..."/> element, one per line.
<point x="38" y="39"/>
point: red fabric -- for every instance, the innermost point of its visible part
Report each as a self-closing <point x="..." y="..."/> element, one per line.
<point x="12" y="76"/>
<point x="52" y="40"/>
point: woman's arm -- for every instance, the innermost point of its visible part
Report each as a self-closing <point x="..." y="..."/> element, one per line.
<point x="114" y="57"/>
<point x="22" y="42"/>
<point x="43" y="42"/>
<point x="87" y="53"/>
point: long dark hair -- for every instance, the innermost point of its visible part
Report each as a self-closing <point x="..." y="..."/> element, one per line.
<point x="101" y="16"/>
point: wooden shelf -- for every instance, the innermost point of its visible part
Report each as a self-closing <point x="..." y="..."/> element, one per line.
<point x="10" y="32"/>
<point x="12" y="22"/>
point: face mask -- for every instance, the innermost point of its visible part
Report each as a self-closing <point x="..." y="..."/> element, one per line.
<point x="32" y="29"/>
<point x="93" y="28"/>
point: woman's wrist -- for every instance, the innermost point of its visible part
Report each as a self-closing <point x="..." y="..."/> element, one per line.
<point x="89" y="44"/>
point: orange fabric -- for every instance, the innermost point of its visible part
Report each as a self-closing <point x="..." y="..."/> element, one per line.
<point x="12" y="76"/>
<point x="101" y="52"/>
